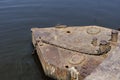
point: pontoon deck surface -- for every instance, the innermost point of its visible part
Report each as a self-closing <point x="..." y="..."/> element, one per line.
<point x="78" y="52"/>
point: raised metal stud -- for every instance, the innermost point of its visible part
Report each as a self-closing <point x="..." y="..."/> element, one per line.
<point x="94" y="41"/>
<point x="114" y="35"/>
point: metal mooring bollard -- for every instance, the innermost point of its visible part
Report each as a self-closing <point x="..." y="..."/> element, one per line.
<point x="114" y="35"/>
<point x="104" y="47"/>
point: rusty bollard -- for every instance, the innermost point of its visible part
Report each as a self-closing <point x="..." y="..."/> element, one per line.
<point x="94" y="41"/>
<point x="104" y="47"/>
<point x="114" y="36"/>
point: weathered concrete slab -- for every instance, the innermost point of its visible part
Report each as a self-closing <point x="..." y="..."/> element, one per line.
<point x="109" y="69"/>
<point x="73" y="53"/>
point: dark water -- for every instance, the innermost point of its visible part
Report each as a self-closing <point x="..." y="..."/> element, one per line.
<point x="18" y="16"/>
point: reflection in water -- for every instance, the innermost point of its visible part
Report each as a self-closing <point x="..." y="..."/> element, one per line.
<point x="18" y="16"/>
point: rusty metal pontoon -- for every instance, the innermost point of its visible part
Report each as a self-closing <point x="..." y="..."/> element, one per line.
<point x="78" y="52"/>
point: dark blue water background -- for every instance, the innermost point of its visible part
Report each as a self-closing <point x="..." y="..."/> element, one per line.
<point x="17" y="17"/>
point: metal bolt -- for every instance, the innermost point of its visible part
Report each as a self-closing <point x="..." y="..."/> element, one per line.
<point x="39" y="40"/>
<point x="94" y="41"/>
<point x="114" y="35"/>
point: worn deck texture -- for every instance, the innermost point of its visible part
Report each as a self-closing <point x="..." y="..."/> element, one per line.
<point x="109" y="69"/>
<point x="67" y="53"/>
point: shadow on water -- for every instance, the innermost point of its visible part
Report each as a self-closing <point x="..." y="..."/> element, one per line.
<point x="36" y="59"/>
